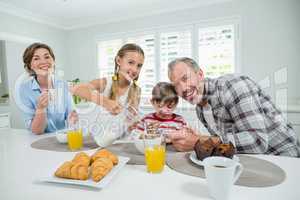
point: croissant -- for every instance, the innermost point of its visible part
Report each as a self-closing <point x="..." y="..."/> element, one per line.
<point x="79" y="172"/>
<point x="73" y="170"/>
<point x="64" y="171"/>
<point x="102" y="163"/>
<point x="100" y="168"/>
<point x="104" y="153"/>
<point x="82" y="158"/>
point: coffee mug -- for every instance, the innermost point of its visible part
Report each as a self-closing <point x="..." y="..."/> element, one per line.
<point x="221" y="173"/>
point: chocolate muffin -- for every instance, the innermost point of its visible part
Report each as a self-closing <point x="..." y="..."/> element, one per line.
<point x="207" y="148"/>
<point x="226" y="150"/>
<point x="204" y="149"/>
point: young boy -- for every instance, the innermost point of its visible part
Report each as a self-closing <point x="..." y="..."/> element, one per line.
<point x="164" y="101"/>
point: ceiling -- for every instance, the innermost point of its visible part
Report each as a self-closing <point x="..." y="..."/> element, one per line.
<point x="70" y="14"/>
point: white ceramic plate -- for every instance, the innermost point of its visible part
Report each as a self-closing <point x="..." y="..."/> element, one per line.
<point x="88" y="183"/>
<point x="195" y="160"/>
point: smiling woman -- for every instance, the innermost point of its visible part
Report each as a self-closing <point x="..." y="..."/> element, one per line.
<point x="45" y="110"/>
<point x="33" y="56"/>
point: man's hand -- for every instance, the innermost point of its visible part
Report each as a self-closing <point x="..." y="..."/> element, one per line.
<point x="184" y="139"/>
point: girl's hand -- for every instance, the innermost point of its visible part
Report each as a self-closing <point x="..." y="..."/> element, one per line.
<point x="43" y="100"/>
<point x="114" y="107"/>
<point x="132" y="117"/>
<point x="73" y="117"/>
<point x="132" y="127"/>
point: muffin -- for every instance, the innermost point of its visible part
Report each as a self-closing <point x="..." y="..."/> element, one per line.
<point x="204" y="149"/>
<point x="208" y="148"/>
<point x="226" y="150"/>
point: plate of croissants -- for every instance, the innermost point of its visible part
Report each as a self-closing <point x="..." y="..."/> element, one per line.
<point x="94" y="171"/>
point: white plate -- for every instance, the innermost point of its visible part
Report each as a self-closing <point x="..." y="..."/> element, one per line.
<point x="195" y="160"/>
<point x="88" y="183"/>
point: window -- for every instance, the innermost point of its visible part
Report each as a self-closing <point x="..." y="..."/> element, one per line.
<point x="147" y="77"/>
<point x="213" y="47"/>
<point x="216" y="50"/>
<point x="107" y="50"/>
<point x="173" y="45"/>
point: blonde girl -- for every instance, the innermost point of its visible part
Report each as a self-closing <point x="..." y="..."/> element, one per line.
<point x="114" y="93"/>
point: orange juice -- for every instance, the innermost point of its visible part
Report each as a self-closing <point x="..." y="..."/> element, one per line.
<point x="155" y="158"/>
<point x="75" y="139"/>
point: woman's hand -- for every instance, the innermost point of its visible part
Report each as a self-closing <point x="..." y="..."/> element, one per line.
<point x="114" y="107"/>
<point x="43" y="101"/>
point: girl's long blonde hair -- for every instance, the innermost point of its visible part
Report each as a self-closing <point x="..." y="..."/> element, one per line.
<point x="134" y="93"/>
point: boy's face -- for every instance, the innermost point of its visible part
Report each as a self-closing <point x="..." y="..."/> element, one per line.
<point x="164" y="109"/>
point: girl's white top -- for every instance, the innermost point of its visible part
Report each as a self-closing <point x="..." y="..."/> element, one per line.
<point x="105" y="127"/>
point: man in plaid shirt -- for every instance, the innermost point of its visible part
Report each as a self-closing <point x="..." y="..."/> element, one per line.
<point x="232" y="108"/>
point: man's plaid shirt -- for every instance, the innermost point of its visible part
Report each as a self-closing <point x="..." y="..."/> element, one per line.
<point x="241" y="110"/>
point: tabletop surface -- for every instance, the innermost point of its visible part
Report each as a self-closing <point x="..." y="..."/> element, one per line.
<point x="21" y="167"/>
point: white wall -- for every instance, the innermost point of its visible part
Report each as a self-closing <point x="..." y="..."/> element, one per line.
<point x="269" y="31"/>
<point x="24" y="31"/>
<point x="14" y="50"/>
<point x="18" y="34"/>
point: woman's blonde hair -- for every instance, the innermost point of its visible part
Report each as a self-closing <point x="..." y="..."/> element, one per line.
<point x="134" y="93"/>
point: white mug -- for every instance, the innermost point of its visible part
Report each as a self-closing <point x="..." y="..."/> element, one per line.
<point x="221" y="173"/>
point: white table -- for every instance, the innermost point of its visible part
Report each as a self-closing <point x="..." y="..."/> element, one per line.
<point x="20" y="167"/>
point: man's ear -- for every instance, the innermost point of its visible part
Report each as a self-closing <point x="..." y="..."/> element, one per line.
<point x="169" y="75"/>
<point x="200" y="74"/>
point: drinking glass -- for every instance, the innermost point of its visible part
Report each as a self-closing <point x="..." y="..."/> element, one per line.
<point x="155" y="154"/>
<point x="74" y="136"/>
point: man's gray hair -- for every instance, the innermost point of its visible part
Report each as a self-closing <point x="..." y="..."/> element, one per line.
<point x="189" y="61"/>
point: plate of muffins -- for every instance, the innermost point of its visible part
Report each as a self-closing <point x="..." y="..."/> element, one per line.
<point x="208" y="148"/>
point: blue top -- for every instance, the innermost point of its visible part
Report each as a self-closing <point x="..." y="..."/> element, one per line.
<point x="57" y="112"/>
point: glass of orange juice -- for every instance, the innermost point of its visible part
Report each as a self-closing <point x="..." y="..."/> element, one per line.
<point x="75" y="139"/>
<point x="155" y="154"/>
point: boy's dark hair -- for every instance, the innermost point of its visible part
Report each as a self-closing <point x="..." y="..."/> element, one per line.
<point x="164" y="93"/>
